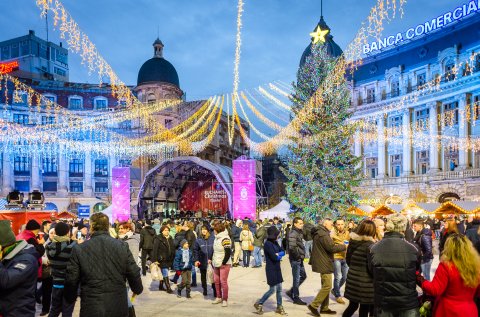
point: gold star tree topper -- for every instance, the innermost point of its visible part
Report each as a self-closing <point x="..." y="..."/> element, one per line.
<point x="319" y="35"/>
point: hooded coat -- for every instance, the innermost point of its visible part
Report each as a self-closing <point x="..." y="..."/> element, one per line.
<point x="323" y="250"/>
<point x="272" y="267"/>
<point x="147" y="235"/>
<point x="359" y="285"/>
<point x="18" y="281"/>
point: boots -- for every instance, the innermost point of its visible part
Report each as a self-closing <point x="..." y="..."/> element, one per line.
<point x="160" y="286"/>
<point x="167" y="285"/>
<point x="280" y="310"/>
<point x="204" y="290"/>
<point x="188" y="294"/>
<point x="259" y="308"/>
<point x="179" y="292"/>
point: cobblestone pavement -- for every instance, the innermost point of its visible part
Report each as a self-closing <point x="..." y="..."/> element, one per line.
<point x="246" y="285"/>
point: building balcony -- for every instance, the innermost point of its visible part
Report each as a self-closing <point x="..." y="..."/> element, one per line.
<point x="424" y="178"/>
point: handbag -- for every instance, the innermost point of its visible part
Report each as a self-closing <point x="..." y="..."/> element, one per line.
<point x="250" y="247"/>
<point x="210" y="274"/>
<point x="155" y="272"/>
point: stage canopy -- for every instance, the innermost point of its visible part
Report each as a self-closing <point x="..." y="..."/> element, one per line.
<point x="186" y="183"/>
<point x="281" y="211"/>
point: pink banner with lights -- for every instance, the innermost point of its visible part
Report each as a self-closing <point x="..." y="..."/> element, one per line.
<point x="244" y="190"/>
<point x="120" y="193"/>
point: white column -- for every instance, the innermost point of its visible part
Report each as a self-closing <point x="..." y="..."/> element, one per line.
<point x="7" y="181"/>
<point x="434" y="141"/>
<point x="357" y="148"/>
<point x="62" y="175"/>
<point x="463" y="128"/>
<point x="407" y="143"/>
<point x="381" y="147"/>
<point x="87" y="191"/>
<point x="35" y="172"/>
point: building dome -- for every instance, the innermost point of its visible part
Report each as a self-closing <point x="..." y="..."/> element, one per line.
<point x="158" y="69"/>
<point x="332" y="48"/>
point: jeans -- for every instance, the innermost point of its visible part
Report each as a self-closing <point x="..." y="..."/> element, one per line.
<point x="246" y="258"/>
<point x="194" y="276"/>
<point x="437" y="234"/>
<point x="322" y="298"/>
<point x="352" y="308"/>
<point x="340" y="276"/>
<point x="164" y="271"/>
<point x="275" y="288"/>
<point x="257" y="256"/>
<point x="220" y="275"/>
<point x="406" y="313"/>
<point x="426" y="268"/>
<point x="299" y="276"/>
<point x="60" y="305"/>
<point x="308" y="248"/>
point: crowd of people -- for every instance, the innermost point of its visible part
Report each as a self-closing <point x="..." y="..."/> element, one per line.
<point x="380" y="263"/>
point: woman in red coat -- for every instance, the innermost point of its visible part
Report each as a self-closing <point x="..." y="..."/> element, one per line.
<point x="456" y="281"/>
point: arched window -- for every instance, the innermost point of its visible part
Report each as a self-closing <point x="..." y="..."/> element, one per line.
<point x="100" y="103"/>
<point x="75" y="102"/>
<point x="448" y="197"/>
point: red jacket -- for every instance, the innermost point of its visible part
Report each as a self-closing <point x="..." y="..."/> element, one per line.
<point x="452" y="297"/>
<point x="30" y="237"/>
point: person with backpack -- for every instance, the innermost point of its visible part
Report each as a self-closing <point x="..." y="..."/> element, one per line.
<point x="147" y="235"/>
<point x="307" y="239"/>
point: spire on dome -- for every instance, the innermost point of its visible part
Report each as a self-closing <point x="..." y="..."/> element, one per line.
<point x="158" y="48"/>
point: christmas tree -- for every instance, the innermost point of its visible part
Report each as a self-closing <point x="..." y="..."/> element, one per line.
<point x="321" y="167"/>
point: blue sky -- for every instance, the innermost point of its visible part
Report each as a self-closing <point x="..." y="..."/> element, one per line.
<point x="199" y="35"/>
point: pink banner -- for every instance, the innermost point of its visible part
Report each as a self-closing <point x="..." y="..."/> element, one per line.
<point x="120" y="193"/>
<point x="244" y="189"/>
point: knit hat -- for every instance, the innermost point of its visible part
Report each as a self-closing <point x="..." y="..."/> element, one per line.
<point x="182" y="243"/>
<point x="272" y="233"/>
<point x="156" y="220"/>
<point x="239" y="223"/>
<point x="32" y="225"/>
<point x="62" y="229"/>
<point x="6" y="234"/>
<point x="397" y="223"/>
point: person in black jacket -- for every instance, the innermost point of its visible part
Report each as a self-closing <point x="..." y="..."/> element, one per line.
<point x="393" y="262"/>
<point x="359" y="285"/>
<point x="58" y="252"/>
<point x="147" y="234"/>
<point x="296" y="254"/>
<point x="202" y="256"/>
<point x="423" y="240"/>
<point x="163" y="255"/>
<point x="273" y="256"/>
<point x="102" y="266"/>
<point x="18" y="274"/>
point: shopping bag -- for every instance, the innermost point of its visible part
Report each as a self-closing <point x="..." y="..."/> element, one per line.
<point x="155" y="272"/>
<point x="210" y="274"/>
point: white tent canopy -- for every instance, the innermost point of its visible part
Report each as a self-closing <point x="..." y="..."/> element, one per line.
<point x="281" y="211"/>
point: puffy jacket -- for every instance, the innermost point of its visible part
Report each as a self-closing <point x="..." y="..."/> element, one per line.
<point x="296" y="248"/>
<point x="260" y="236"/>
<point x="102" y="266"/>
<point x="424" y="241"/>
<point x="222" y="250"/>
<point x="359" y="284"/>
<point x="203" y="251"/>
<point x="18" y="281"/>
<point x="147" y="234"/>
<point x="179" y="264"/>
<point x="323" y="249"/>
<point x="58" y="254"/>
<point x="163" y="251"/>
<point x="246" y="237"/>
<point x="393" y="262"/>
